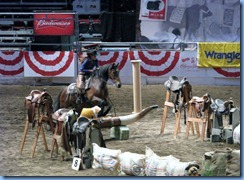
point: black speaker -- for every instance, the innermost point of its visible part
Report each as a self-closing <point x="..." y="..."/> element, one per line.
<point x="87" y="26"/>
<point x="86" y="6"/>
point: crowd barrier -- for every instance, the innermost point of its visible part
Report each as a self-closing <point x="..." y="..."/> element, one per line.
<point x="19" y="67"/>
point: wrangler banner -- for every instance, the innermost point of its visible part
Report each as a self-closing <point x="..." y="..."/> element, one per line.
<point x="221" y="54"/>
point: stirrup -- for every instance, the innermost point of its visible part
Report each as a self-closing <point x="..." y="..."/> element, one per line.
<point x="79" y="99"/>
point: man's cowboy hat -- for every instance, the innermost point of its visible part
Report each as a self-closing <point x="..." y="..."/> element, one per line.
<point x="92" y="52"/>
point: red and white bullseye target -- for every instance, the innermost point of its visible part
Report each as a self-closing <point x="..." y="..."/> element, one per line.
<point x="228" y="72"/>
<point x="11" y="63"/>
<point x="49" y="63"/>
<point x="156" y="63"/>
<point x="112" y="57"/>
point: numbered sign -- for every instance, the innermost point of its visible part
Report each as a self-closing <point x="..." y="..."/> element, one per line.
<point x="76" y="163"/>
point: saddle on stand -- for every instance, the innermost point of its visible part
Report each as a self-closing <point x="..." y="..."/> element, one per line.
<point x="221" y="108"/>
<point x="182" y="89"/>
<point x="38" y="104"/>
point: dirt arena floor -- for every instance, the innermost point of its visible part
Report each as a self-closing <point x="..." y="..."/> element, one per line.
<point x="145" y="132"/>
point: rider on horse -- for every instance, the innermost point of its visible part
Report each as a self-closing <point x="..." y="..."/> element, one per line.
<point x="88" y="65"/>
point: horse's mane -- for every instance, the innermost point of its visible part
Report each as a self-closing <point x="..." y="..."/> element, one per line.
<point x="101" y="72"/>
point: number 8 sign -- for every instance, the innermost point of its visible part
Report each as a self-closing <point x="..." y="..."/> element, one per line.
<point x="76" y="163"/>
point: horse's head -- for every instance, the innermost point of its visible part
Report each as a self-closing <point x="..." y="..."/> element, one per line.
<point x="205" y="11"/>
<point x="114" y="74"/>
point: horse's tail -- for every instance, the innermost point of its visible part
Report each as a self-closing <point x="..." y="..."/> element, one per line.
<point x="57" y="102"/>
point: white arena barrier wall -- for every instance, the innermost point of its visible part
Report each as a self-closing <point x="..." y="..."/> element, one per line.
<point x="60" y="67"/>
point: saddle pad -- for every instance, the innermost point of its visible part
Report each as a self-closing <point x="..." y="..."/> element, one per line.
<point x="60" y="114"/>
<point x="172" y="85"/>
<point x="87" y="112"/>
<point x="90" y="112"/>
<point x="72" y="89"/>
<point x="197" y="99"/>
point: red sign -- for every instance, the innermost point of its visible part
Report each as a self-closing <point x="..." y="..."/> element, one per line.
<point x="153" y="10"/>
<point x="54" y="24"/>
<point x="160" y="13"/>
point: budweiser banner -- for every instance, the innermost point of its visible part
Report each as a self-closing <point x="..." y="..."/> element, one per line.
<point x="54" y="24"/>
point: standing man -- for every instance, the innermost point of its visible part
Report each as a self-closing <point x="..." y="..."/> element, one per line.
<point x="88" y="65"/>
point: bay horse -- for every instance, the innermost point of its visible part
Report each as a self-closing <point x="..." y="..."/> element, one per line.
<point x="97" y="94"/>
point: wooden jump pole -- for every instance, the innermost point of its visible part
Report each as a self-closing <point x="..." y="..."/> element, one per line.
<point x="136" y="69"/>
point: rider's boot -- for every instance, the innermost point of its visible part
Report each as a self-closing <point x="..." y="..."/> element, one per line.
<point x="80" y="89"/>
<point x="80" y="97"/>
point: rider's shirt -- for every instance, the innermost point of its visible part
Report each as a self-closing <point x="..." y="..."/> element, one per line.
<point x="87" y="65"/>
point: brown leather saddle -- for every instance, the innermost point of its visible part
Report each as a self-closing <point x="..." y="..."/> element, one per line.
<point x="38" y="100"/>
<point x="64" y="117"/>
<point x="201" y="104"/>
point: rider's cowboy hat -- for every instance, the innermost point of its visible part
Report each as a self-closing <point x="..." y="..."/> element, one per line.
<point x="91" y="49"/>
<point x="92" y="52"/>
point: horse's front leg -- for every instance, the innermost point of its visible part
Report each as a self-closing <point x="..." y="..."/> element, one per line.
<point x="102" y="104"/>
<point x="105" y="112"/>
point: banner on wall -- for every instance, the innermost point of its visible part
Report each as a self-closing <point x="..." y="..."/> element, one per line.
<point x="11" y="63"/>
<point x="54" y="24"/>
<point x="153" y="10"/>
<point x="191" y="21"/>
<point x="49" y="64"/>
<point x="219" y="55"/>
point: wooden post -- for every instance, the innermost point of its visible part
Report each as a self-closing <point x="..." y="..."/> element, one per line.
<point x="24" y="134"/>
<point x="136" y="85"/>
<point x="165" y="111"/>
<point x="177" y="115"/>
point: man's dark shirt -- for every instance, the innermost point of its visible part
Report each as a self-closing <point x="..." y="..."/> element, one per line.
<point x="87" y="65"/>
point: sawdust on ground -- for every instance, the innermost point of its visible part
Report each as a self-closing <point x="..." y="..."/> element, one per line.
<point x="145" y="132"/>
